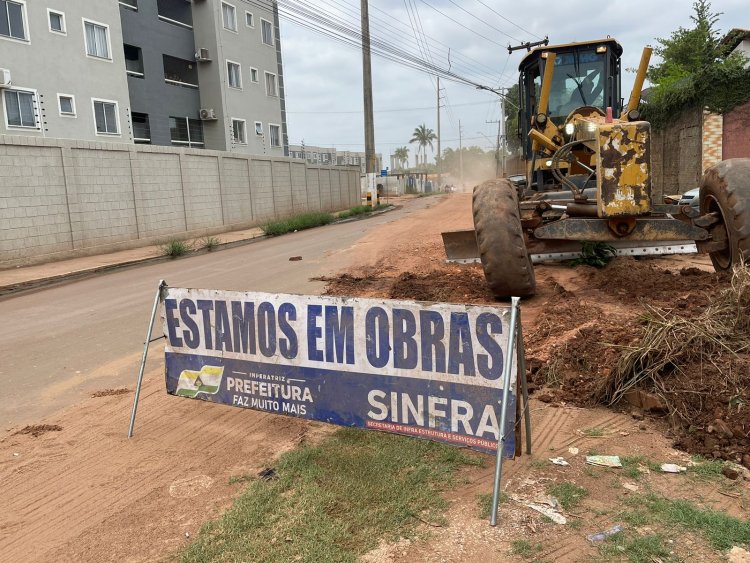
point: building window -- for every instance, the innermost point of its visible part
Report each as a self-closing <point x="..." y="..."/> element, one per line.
<point x="267" y="29"/>
<point x="131" y="4"/>
<point x="234" y="75"/>
<point x="239" y="135"/>
<point x="97" y="40"/>
<point x="259" y="128"/>
<point x="229" y="15"/>
<point x="56" y="21"/>
<point x="180" y="72"/>
<point x="176" y="12"/>
<point x="20" y="109"/>
<point x="106" y="118"/>
<point x="67" y="105"/>
<point x="254" y="75"/>
<point x="133" y="61"/>
<point x="249" y="19"/>
<point x="186" y="132"/>
<point x="275" y="134"/>
<point x="271" y="89"/>
<point x="141" y="128"/>
<point x="12" y="20"/>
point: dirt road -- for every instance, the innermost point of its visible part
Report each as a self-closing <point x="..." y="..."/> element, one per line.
<point x="81" y="491"/>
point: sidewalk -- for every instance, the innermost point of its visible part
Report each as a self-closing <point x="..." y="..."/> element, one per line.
<point x="27" y="277"/>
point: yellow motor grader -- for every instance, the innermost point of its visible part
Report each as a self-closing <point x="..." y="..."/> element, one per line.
<point x="589" y="179"/>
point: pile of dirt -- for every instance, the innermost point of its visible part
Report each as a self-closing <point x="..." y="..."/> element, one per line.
<point x="37" y="430"/>
<point x="109" y="393"/>
<point x="633" y="280"/>
<point x="573" y="347"/>
<point x="448" y="284"/>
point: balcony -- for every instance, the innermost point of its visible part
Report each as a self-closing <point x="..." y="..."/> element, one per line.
<point x="180" y="72"/>
<point x="176" y="12"/>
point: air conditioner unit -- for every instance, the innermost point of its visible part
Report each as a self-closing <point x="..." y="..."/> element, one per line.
<point x="5" y="81"/>
<point x="202" y="55"/>
<point x="208" y="114"/>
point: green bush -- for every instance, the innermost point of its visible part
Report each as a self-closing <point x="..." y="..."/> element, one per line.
<point x="297" y="223"/>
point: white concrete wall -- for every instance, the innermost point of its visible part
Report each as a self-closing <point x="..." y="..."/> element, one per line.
<point x="61" y="198"/>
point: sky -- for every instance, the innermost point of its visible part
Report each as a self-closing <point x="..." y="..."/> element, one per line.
<point x="323" y="78"/>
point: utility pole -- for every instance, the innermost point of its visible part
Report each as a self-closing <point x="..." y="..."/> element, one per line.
<point x="440" y="154"/>
<point x="502" y="124"/>
<point x="370" y="161"/>
<point x="460" y="155"/>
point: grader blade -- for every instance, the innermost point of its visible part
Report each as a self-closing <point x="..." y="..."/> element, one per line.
<point x="461" y="248"/>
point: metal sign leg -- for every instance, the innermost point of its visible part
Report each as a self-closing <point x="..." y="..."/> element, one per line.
<point x="162" y="285"/>
<point x="504" y="410"/>
<point x="524" y="383"/>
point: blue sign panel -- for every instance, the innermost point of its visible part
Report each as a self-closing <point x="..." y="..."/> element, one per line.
<point x="431" y="371"/>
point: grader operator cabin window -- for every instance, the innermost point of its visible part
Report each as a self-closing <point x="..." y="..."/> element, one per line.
<point x="579" y="80"/>
<point x="12" y="20"/>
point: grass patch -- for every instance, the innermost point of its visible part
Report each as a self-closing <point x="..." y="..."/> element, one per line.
<point x="595" y="432"/>
<point x="524" y="548"/>
<point x="721" y="530"/>
<point x="297" y="223"/>
<point x="174" y="248"/>
<point x="637" y="549"/>
<point x="335" y="501"/>
<point x="209" y="243"/>
<point x="706" y="469"/>
<point x="569" y="494"/>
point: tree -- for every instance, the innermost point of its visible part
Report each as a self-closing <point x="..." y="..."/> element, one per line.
<point x="423" y="136"/>
<point x="696" y="71"/>
<point x="512" y="135"/>
<point x="402" y="156"/>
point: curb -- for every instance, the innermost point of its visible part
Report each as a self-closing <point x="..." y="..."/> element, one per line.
<point x="41" y="283"/>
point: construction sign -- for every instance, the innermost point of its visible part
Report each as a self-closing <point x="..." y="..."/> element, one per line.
<point x="429" y="370"/>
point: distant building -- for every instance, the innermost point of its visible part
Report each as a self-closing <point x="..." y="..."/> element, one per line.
<point x="314" y="155"/>
<point x="203" y="74"/>
<point x="349" y="158"/>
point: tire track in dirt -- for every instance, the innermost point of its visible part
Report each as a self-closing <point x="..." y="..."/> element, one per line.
<point x="66" y="486"/>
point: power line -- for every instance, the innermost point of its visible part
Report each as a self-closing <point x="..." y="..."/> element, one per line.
<point x="509" y="21"/>
<point x="462" y="25"/>
<point x="393" y="110"/>
<point x="484" y="22"/>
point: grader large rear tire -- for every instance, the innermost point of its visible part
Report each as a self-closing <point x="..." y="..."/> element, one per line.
<point x="497" y="222"/>
<point x="726" y="189"/>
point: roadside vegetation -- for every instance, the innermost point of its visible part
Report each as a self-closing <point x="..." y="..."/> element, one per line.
<point x="175" y="248"/>
<point x="314" y="219"/>
<point x="335" y="501"/>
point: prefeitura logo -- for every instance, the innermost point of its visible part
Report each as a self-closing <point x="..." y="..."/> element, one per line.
<point x="207" y="380"/>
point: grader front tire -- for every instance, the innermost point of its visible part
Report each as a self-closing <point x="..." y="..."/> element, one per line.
<point x="497" y="222"/>
<point x="726" y="189"/>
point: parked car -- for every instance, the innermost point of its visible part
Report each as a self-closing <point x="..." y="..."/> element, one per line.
<point x="690" y="198"/>
<point x="519" y="181"/>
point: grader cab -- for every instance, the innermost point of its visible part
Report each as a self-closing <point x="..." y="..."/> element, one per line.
<point x="589" y="179"/>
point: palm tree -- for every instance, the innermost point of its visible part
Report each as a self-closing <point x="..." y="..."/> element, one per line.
<point x="402" y="156"/>
<point x="423" y="136"/>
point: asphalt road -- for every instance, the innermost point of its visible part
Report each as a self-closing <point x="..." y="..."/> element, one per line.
<point x="60" y="344"/>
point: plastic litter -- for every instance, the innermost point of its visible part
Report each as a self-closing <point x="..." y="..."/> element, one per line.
<point x="559" y="461"/>
<point x="548" y="506"/>
<point x="573" y="450"/>
<point x="672" y="468"/>
<point x="604" y="460"/>
<point x="601" y="536"/>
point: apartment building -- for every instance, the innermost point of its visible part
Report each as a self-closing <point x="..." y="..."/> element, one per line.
<point x="349" y="158"/>
<point x="314" y="155"/>
<point x="63" y="70"/>
<point x="200" y="74"/>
